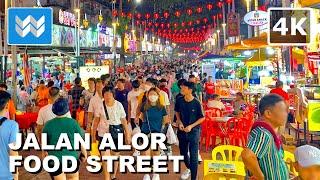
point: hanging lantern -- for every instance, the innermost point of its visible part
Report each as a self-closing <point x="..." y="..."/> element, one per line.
<point x="175" y="31"/>
<point x="123" y="14"/>
<point x="183" y="24"/>
<point x="143" y="23"/>
<point x="220" y="15"/>
<point x="205" y="20"/>
<point x="209" y="6"/>
<point x="213" y="17"/>
<point x="156" y="16"/>
<point x="147" y="16"/>
<point x="114" y="13"/>
<point x="175" y="25"/>
<point x="192" y="29"/>
<point x="162" y="25"/>
<point x="229" y="1"/>
<point x="137" y="22"/>
<point x="147" y="29"/>
<point x="100" y="17"/>
<point x="150" y="24"/>
<point x="220" y="4"/>
<point x="199" y="10"/>
<point x="129" y="15"/>
<point x="166" y="14"/>
<point x="156" y="24"/>
<point x="190" y="23"/>
<point x="168" y="25"/>
<point x="198" y="21"/>
<point x="189" y="11"/>
<point x="138" y="16"/>
<point x="177" y="13"/>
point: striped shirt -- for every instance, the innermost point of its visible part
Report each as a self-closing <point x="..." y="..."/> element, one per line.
<point x="270" y="159"/>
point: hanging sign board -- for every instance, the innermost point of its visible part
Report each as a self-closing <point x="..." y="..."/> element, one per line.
<point x="256" y="18"/>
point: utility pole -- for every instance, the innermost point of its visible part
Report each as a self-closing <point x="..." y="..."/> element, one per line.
<point x="14" y="64"/>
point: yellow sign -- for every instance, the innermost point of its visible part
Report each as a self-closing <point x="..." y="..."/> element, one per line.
<point x="314" y="115"/>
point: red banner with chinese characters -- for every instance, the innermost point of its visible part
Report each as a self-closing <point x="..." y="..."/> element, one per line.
<point x="233" y="24"/>
<point x="313" y="62"/>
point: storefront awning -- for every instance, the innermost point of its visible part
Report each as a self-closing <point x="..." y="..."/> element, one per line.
<point x="310" y="3"/>
<point x="259" y="58"/>
<point x="252" y="43"/>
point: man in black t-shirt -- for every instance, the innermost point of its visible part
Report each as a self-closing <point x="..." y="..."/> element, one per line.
<point x="189" y="117"/>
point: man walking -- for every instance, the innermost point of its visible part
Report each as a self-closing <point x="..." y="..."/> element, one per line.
<point x="189" y="117"/>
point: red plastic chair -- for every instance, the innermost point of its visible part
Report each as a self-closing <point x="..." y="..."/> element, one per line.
<point x="235" y="128"/>
<point x="22" y="120"/>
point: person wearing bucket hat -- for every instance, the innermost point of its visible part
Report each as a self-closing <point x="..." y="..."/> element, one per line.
<point x="307" y="162"/>
<point x="63" y="125"/>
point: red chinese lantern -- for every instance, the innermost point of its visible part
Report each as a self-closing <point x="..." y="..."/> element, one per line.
<point x="175" y="25"/>
<point x="183" y="24"/>
<point x="198" y="21"/>
<point x="190" y="23"/>
<point x="147" y="16"/>
<point x="205" y="20"/>
<point x="220" y="15"/>
<point x="177" y="13"/>
<point x="209" y="6"/>
<point x="199" y="9"/>
<point x="156" y="16"/>
<point x="189" y="11"/>
<point x="150" y="24"/>
<point x="129" y="15"/>
<point x="166" y="15"/>
<point x="123" y="14"/>
<point x="138" y="15"/>
<point x="162" y="25"/>
<point x="168" y="25"/>
<point x="143" y="22"/>
<point x="114" y="13"/>
<point x="147" y="29"/>
<point x="156" y="24"/>
<point x="213" y="17"/>
<point x="229" y="1"/>
<point x="175" y="31"/>
<point x="137" y="22"/>
<point x="220" y="4"/>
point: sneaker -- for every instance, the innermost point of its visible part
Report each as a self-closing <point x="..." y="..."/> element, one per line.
<point x="155" y="177"/>
<point x="199" y="158"/>
<point x="146" y="177"/>
<point x="186" y="174"/>
<point x="162" y="153"/>
<point x="136" y="153"/>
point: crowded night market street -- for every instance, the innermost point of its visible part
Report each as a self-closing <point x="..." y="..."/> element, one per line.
<point x="160" y="89"/>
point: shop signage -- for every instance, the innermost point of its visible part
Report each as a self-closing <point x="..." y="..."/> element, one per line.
<point x="313" y="62"/>
<point x="67" y="18"/>
<point x="233" y="24"/>
<point x="256" y="18"/>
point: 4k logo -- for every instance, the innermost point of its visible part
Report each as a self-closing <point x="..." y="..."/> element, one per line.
<point x="28" y="25"/>
<point x="289" y="26"/>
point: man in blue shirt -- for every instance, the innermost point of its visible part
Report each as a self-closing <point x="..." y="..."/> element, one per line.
<point x="8" y="133"/>
<point x="189" y="117"/>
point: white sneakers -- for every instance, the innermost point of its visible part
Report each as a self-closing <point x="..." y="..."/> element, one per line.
<point x="136" y="153"/>
<point x="154" y="177"/>
<point x="186" y="174"/>
<point x="199" y="157"/>
<point x="146" y="177"/>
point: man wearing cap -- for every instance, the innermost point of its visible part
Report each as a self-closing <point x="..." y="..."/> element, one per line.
<point x="307" y="163"/>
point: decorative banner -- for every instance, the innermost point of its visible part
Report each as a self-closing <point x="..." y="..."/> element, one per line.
<point x="256" y="18"/>
<point x="233" y="24"/>
<point x="313" y="116"/>
<point x="313" y="62"/>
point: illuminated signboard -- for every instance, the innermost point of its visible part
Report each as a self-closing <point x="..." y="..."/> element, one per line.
<point x="67" y="18"/>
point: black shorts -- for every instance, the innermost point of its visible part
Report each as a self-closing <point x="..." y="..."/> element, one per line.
<point x="59" y="171"/>
<point x="115" y="141"/>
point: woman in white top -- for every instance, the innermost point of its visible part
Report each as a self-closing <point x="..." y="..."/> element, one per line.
<point x="110" y="117"/>
<point x="214" y="102"/>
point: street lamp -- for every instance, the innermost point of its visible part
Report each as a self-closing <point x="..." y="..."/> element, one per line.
<point x="77" y="11"/>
